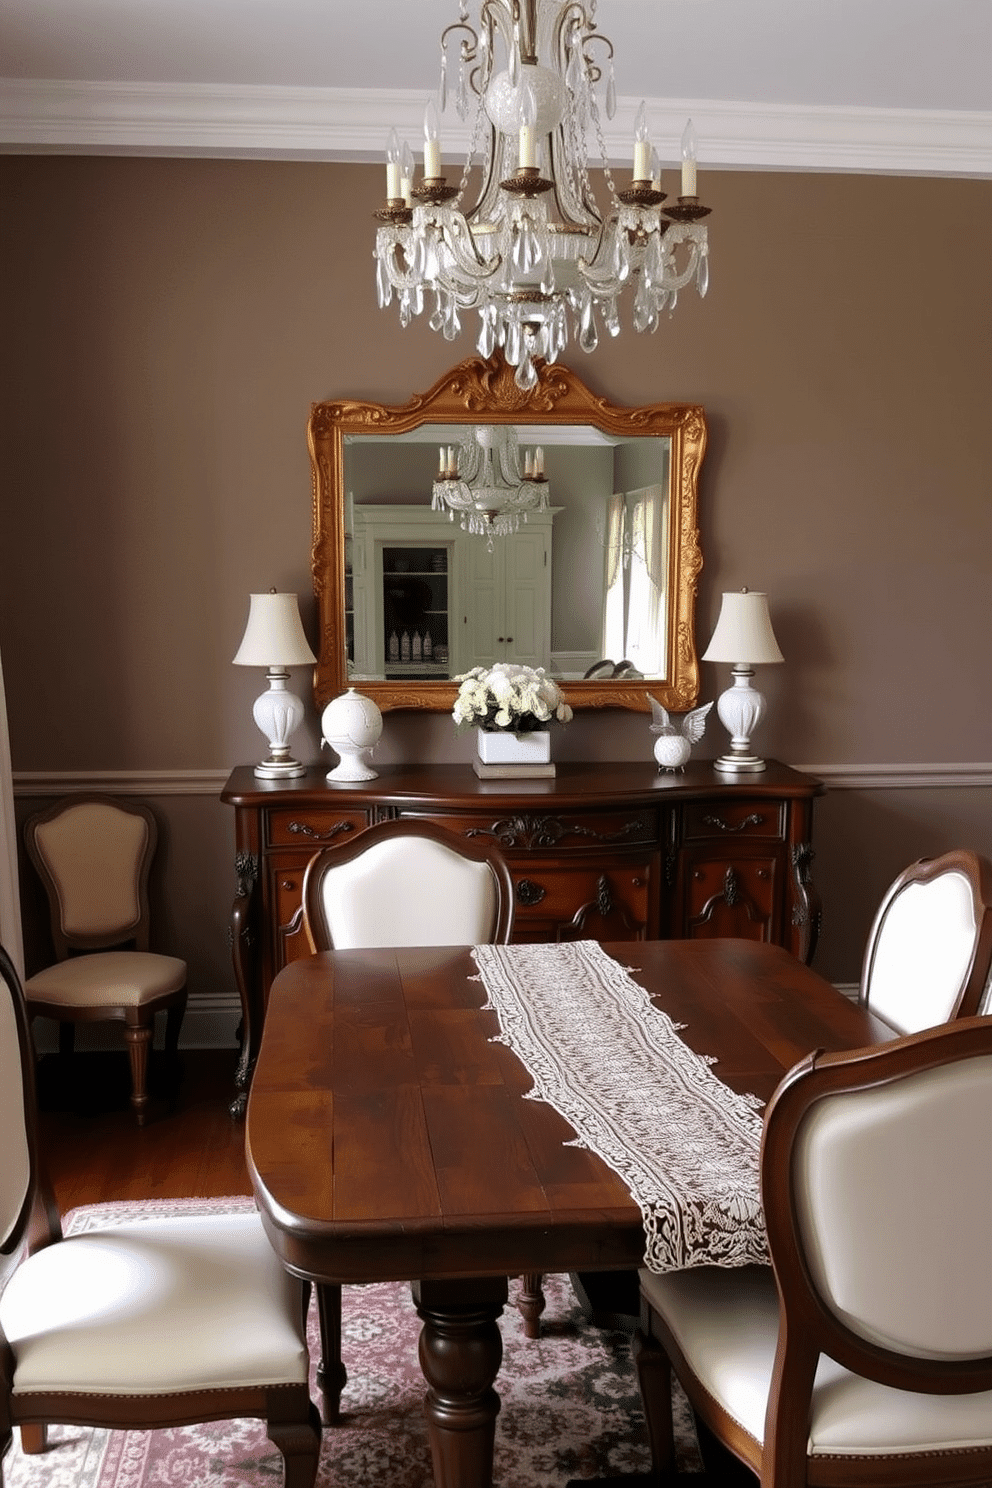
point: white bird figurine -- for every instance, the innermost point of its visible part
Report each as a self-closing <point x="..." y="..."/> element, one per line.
<point x="674" y="745"/>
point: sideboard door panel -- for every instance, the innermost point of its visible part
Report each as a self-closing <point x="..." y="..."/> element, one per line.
<point x="738" y="897"/>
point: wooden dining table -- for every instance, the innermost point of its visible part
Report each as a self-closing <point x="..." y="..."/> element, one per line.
<point x="389" y="1138"/>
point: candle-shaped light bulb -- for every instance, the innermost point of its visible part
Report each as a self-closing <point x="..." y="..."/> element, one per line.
<point x="539" y="461"/>
<point x="406" y="173"/>
<point x="526" y="113"/>
<point x="528" y="465"/>
<point x="432" y="143"/>
<point x="392" y="166"/>
<point x="689" y="160"/>
<point x="642" y="146"/>
<point x="442" y="466"/>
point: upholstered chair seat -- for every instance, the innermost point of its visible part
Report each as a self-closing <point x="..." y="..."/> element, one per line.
<point x="725" y="1322"/>
<point x="124" y="978"/>
<point x="208" y="1306"/>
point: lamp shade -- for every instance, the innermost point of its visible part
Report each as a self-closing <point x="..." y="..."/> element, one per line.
<point x="274" y="634"/>
<point x="743" y="633"/>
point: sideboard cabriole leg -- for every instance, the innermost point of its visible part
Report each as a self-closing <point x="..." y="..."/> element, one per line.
<point x="807" y="912"/>
<point x="460" y="1353"/>
<point x="245" y="976"/>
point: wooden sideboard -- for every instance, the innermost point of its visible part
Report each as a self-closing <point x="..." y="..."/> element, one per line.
<point x="601" y="851"/>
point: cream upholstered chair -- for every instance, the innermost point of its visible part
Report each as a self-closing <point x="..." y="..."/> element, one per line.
<point x="405" y="883"/>
<point x="929" y="952"/>
<point x="398" y="883"/>
<point x="146" y="1324"/>
<point x="93" y="854"/>
<point x="871" y="1363"/>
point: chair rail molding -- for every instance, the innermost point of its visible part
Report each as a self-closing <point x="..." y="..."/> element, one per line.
<point x="120" y="782"/>
<point x="345" y="124"/>
<point x="929" y="776"/>
<point x="922" y="776"/>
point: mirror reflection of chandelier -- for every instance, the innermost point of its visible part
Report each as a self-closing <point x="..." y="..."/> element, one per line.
<point x="480" y="480"/>
<point x="534" y="252"/>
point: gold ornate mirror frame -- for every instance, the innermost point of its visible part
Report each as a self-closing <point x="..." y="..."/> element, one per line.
<point x="484" y="391"/>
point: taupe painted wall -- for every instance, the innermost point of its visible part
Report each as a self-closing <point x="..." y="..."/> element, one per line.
<point x="167" y="324"/>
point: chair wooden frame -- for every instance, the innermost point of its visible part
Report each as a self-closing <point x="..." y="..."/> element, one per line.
<point x="978" y="872"/>
<point x="387" y="831"/>
<point x="807" y="1325"/>
<point x="292" y="1421"/>
<point x="138" y="1020"/>
<point x="332" y="1375"/>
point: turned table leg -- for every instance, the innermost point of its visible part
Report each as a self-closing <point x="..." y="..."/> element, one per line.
<point x="460" y="1353"/>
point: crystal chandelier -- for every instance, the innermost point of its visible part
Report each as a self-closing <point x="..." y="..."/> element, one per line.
<point x="534" y="254"/>
<point x="482" y="483"/>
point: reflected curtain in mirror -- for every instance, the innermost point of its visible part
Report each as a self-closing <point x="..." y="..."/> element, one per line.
<point x="634" y="628"/>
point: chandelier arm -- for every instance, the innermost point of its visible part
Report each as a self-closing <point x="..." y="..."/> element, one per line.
<point x="576" y="15"/>
<point x="468" y="49"/>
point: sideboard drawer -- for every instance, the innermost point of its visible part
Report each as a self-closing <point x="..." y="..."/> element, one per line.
<point x="312" y="826"/>
<point x="519" y="834"/>
<point x="612" y="899"/>
<point x="733" y="819"/>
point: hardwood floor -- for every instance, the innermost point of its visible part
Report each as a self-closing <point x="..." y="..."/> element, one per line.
<point x="190" y="1147"/>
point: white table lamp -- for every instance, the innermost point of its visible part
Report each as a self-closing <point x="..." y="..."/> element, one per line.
<point x="274" y="639"/>
<point x="744" y="637"/>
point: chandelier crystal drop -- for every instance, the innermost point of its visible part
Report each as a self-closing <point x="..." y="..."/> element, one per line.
<point x="534" y="253"/>
<point x="481" y="482"/>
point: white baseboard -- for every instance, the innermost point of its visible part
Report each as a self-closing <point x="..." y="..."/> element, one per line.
<point x="210" y="1023"/>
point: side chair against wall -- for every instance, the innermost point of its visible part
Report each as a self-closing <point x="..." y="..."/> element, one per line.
<point x="398" y="883"/>
<point x="147" y="1324"/>
<point x="871" y="1361"/>
<point x="93" y="854"/>
<point x="929" y="951"/>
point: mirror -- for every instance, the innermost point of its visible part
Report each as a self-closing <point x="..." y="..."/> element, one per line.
<point x="599" y="588"/>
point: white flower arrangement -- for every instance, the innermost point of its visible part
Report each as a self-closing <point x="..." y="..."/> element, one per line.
<point x="520" y="699"/>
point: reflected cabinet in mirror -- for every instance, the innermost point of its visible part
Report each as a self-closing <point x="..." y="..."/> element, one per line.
<point x="481" y="523"/>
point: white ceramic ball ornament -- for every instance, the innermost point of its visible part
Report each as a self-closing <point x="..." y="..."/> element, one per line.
<point x="352" y="725"/>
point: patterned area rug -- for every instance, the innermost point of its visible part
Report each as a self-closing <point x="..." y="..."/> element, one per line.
<point x="570" y="1407"/>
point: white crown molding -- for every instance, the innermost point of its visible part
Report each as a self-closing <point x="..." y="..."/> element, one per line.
<point x="59" y="117"/>
<point x="211" y="782"/>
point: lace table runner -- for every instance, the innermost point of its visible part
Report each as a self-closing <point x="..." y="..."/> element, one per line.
<point x="613" y="1065"/>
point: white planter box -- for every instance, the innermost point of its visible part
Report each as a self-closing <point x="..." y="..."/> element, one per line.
<point x="501" y="747"/>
